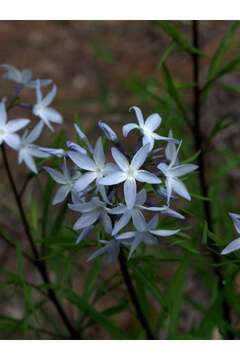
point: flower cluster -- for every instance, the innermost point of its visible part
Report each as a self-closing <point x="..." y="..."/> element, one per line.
<point x="114" y="194"/>
<point x="117" y="197"/>
<point x="24" y="143"/>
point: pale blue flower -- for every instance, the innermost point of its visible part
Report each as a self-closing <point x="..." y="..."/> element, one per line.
<point x="235" y="244"/>
<point x="8" y="129"/>
<point x="95" y="168"/>
<point x="108" y="132"/>
<point x="22" y="78"/>
<point x="129" y="173"/>
<point x="42" y="109"/>
<point x="65" y="180"/>
<point x="172" y="172"/>
<point x="148" y="235"/>
<point x="147" y="128"/>
<point x="27" y="150"/>
<point x="92" y="211"/>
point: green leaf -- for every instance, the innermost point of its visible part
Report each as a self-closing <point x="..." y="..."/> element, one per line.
<point x="174" y="298"/>
<point x="174" y="31"/>
<point x="222" y="49"/>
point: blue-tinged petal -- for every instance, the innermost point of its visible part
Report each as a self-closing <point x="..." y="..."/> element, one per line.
<point x="129" y="127"/>
<point x="120" y="159"/>
<point x="130" y="190"/>
<point x="81" y="160"/>
<point x="139" y="221"/>
<point x="98" y="154"/>
<point x="140" y="157"/>
<point x="61" y="194"/>
<point x="181" y="170"/>
<point x="15" y="125"/>
<point x="236" y="221"/>
<point x="86" y="219"/>
<point x="164" y="233"/>
<point x="56" y="175"/>
<point x="139" y="115"/>
<point x="86" y="179"/>
<point x="179" y="188"/>
<point x="113" y="179"/>
<point x="146" y="176"/>
<point x="122" y="222"/>
<point x="153" y="122"/>
<point x="233" y="246"/>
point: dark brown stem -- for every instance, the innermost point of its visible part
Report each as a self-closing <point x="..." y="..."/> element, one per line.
<point x="202" y="172"/>
<point x="39" y="263"/>
<point x="132" y="294"/>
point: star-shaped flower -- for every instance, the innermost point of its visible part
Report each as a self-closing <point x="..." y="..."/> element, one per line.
<point x="146" y="236"/>
<point x="235" y="244"/>
<point x="8" y="129"/>
<point x="23" y="78"/>
<point x="172" y="172"/>
<point x="130" y="173"/>
<point x="92" y="211"/>
<point x="43" y="111"/>
<point x="95" y="168"/>
<point x="27" y="150"/>
<point x="147" y="128"/>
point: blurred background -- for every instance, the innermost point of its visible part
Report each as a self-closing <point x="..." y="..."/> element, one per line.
<point x="101" y="69"/>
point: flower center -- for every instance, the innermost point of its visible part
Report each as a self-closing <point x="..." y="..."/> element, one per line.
<point x="131" y="172"/>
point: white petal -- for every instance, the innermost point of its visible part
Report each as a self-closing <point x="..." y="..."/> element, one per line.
<point x="126" y="235"/>
<point x="49" y="97"/>
<point x="127" y="128"/>
<point x="38" y="91"/>
<point x="148" y="140"/>
<point x="61" y="195"/>
<point x="26" y="76"/>
<point x="146" y="176"/>
<point x="12" y="73"/>
<point x="52" y="115"/>
<point x="29" y="161"/>
<point x="130" y="190"/>
<point x="139" y="115"/>
<point x="15" y="125"/>
<point x="181" y="170"/>
<point x="138" y="220"/>
<point x="120" y="209"/>
<point x="123" y="221"/>
<point x="82" y="161"/>
<point x="164" y="168"/>
<point x="169" y="188"/>
<point x="233" y="246"/>
<point x="153" y="122"/>
<point x="86" y="179"/>
<point x="107" y="223"/>
<point x="141" y="197"/>
<point x="113" y="179"/>
<point x="13" y="140"/>
<point x="98" y="154"/>
<point x="37" y="151"/>
<point x="35" y="133"/>
<point x="120" y="159"/>
<point x="56" y="175"/>
<point x="140" y="157"/>
<point x="3" y="113"/>
<point x="86" y="220"/>
<point x="236" y="221"/>
<point x="164" y="233"/>
<point x="179" y="188"/>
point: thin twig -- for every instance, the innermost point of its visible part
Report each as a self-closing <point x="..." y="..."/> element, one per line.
<point x="202" y="171"/>
<point x="132" y="293"/>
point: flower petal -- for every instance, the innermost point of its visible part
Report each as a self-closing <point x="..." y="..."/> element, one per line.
<point x="83" y="161"/>
<point x="15" y="125"/>
<point x="98" y="154"/>
<point x="236" y="221"/>
<point x="129" y="127"/>
<point x="139" y="115"/>
<point x="130" y="190"/>
<point x="181" y="170"/>
<point x="61" y="195"/>
<point x="86" y="220"/>
<point x="13" y="140"/>
<point x="164" y="233"/>
<point x="56" y="175"/>
<point x="49" y="97"/>
<point x="140" y="157"/>
<point x="120" y="159"/>
<point x="123" y="221"/>
<point x="3" y="113"/>
<point x="113" y="179"/>
<point x="141" y="197"/>
<point x="146" y="176"/>
<point x="179" y="188"/>
<point x="138" y="220"/>
<point x="153" y="122"/>
<point x="86" y="179"/>
<point x="233" y="246"/>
